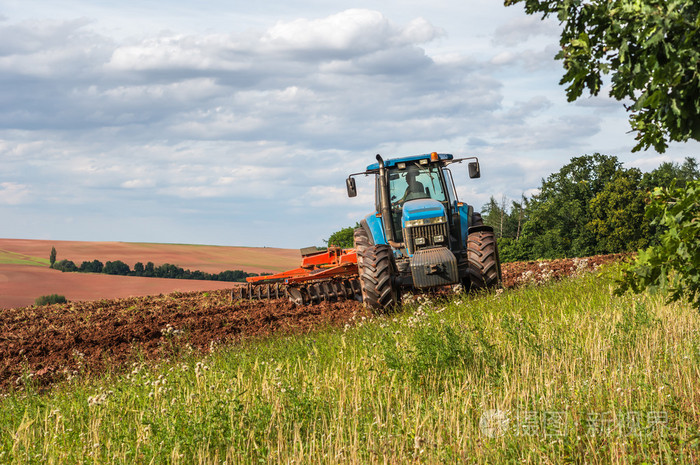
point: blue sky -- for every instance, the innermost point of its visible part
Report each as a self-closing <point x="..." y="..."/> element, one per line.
<point x="235" y="123"/>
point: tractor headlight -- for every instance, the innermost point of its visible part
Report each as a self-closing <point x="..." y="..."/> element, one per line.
<point x="420" y="240"/>
<point x="439" y="238"/>
<point x="425" y="221"/>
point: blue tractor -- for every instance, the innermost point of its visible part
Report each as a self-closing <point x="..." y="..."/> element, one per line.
<point x="420" y="236"/>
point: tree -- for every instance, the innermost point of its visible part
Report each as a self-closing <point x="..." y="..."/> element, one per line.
<point x="138" y="269"/>
<point x="558" y="215"/>
<point x="52" y="257"/>
<point x="149" y="270"/>
<point x="65" y="266"/>
<point x="651" y="49"/>
<point x="342" y="238"/>
<point x="617" y="214"/>
<point x="94" y="266"/>
<point x="117" y="267"/>
<point x="667" y="172"/>
<point x="674" y="264"/>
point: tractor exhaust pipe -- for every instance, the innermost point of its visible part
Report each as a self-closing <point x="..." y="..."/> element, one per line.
<point x="384" y="205"/>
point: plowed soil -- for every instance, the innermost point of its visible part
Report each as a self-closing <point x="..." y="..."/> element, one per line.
<point x="53" y="342"/>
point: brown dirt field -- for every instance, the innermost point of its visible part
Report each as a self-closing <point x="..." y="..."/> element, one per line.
<point x="53" y="342"/>
<point x="209" y="258"/>
<point x="22" y="284"/>
<point x="535" y="272"/>
<point x="50" y="343"/>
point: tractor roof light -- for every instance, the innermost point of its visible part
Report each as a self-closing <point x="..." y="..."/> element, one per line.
<point x="424" y="161"/>
<point x="434" y="156"/>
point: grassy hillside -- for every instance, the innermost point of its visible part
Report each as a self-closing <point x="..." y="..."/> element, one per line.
<point x="12" y="258"/>
<point x="559" y="373"/>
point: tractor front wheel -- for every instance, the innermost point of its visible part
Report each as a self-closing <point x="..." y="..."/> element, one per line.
<point x="484" y="264"/>
<point x="377" y="272"/>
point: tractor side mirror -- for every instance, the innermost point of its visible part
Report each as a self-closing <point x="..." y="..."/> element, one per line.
<point x="352" y="189"/>
<point x="474" y="170"/>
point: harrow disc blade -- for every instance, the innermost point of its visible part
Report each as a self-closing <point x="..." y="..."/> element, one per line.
<point x="331" y="290"/>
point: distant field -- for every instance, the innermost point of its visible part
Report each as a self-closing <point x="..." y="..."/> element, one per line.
<point x="25" y="275"/>
<point x="209" y="258"/>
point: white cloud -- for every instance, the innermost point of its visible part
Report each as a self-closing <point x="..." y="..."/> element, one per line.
<point x="201" y="132"/>
<point x="12" y="193"/>
<point x="140" y="183"/>
<point x="520" y="30"/>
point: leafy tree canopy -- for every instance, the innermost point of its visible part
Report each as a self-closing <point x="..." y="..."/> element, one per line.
<point x="342" y="238"/>
<point x="673" y="265"/>
<point x="617" y="214"/>
<point x="651" y="49"/>
<point x="558" y="215"/>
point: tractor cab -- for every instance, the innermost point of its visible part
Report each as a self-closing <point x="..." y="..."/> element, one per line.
<point x="417" y="192"/>
<point x="416" y="203"/>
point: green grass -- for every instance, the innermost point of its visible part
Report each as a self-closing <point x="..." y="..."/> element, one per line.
<point x="565" y="372"/>
<point x="12" y="258"/>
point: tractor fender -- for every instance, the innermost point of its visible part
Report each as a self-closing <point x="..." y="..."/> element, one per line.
<point x="479" y="228"/>
<point x="376" y="228"/>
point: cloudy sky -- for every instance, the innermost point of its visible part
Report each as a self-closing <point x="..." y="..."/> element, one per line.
<point x="236" y="123"/>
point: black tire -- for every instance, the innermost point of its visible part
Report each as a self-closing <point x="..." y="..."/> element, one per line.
<point x="476" y="219"/>
<point x="484" y="264"/>
<point x="361" y="241"/>
<point x="377" y="274"/>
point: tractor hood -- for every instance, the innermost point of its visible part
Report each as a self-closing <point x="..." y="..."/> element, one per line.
<point x="422" y="209"/>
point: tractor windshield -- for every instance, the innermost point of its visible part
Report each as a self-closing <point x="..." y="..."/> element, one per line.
<point x="415" y="182"/>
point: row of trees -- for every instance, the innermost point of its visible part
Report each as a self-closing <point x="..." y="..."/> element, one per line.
<point x="593" y="205"/>
<point x="149" y="270"/>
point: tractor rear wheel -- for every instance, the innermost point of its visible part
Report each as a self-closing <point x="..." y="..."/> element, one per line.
<point x="377" y="272"/>
<point x="484" y="264"/>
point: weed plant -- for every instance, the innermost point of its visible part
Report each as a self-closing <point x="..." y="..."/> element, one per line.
<point x="565" y="372"/>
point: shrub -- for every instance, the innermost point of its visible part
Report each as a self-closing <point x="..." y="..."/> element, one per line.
<point x="673" y="266"/>
<point x="50" y="299"/>
<point x="65" y="265"/>
<point x="117" y="267"/>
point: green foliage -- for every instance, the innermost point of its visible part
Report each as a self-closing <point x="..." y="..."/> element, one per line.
<point x="65" y="266"/>
<point x="505" y="224"/>
<point x="50" y="299"/>
<point x="52" y="256"/>
<point x="166" y="270"/>
<point x="591" y="206"/>
<point x="668" y="173"/>
<point x="94" y="266"/>
<point x="139" y="269"/>
<point x="651" y="49"/>
<point x="558" y="215"/>
<point x="617" y="214"/>
<point x="673" y="265"/>
<point x="431" y="350"/>
<point x="342" y="238"/>
<point x="117" y="267"/>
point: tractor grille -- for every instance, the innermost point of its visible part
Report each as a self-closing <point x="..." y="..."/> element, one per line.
<point x="428" y="232"/>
